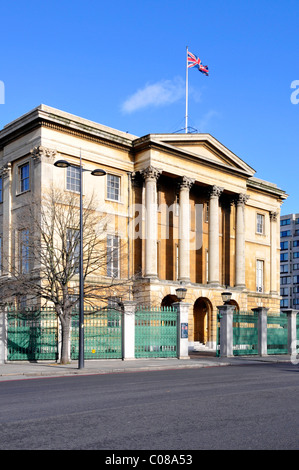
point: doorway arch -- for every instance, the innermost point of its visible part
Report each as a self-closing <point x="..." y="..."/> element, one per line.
<point x="202" y="317"/>
<point x="168" y="300"/>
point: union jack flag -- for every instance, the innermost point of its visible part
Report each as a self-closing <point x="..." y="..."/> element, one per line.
<point x="194" y="61"/>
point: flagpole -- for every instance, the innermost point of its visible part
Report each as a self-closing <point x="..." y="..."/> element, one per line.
<point x="186" y="116"/>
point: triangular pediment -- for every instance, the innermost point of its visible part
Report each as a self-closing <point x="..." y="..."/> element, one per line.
<point x="205" y="147"/>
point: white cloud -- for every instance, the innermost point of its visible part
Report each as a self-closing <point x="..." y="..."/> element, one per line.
<point x="206" y="119"/>
<point x="157" y="94"/>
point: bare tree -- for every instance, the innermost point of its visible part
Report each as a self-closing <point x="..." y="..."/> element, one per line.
<point x="45" y="264"/>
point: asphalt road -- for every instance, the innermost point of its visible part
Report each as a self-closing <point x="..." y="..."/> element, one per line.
<point x="238" y="407"/>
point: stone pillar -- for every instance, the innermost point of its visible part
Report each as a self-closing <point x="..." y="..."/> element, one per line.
<point x="262" y="329"/>
<point x="184" y="229"/>
<point x="128" y="329"/>
<point x="292" y="331"/>
<point x="183" y="311"/>
<point x="214" y="235"/>
<point x="273" y="252"/>
<point x="226" y="329"/>
<point x="151" y="175"/>
<point x="240" y="241"/>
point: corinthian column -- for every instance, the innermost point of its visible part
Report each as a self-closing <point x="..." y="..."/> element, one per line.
<point x="214" y="235"/>
<point x="184" y="228"/>
<point x="273" y="252"/>
<point x="151" y="175"/>
<point x="240" y="240"/>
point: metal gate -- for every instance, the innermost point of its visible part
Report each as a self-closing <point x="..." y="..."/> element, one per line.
<point x="102" y="335"/>
<point x="245" y="333"/>
<point x="32" y="335"/>
<point x="156" y="332"/>
<point x="277" y="333"/>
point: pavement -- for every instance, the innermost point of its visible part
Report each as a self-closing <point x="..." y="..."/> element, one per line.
<point x="23" y="370"/>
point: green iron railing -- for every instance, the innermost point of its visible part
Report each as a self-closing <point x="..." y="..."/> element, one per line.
<point x="32" y="335"/>
<point x="245" y="333"/>
<point x="277" y="333"/>
<point x="102" y="334"/>
<point x="156" y="332"/>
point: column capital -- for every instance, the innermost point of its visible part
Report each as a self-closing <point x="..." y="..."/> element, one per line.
<point x="273" y="216"/>
<point x="215" y="191"/>
<point x="241" y="199"/>
<point x="5" y="171"/>
<point x="39" y="152"/>
<point x="151" y="173"/>
<point x="186" y="183"/>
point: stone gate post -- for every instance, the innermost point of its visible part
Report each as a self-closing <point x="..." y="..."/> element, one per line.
<point x="128" y="329"/>
<point x="3" y="337"/>
<point x="262" y="329"/>
<point x="182" y="309"/>
<point x="292" y="331"/>
<point x="226" y="312"/>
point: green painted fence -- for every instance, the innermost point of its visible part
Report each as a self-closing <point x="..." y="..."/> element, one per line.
<point x="156" y="332"/>
<point x="277" y="333"/>
<point x="245" y="333"/>
<point x="32" y="335"/>
<point x="102" y="334"/>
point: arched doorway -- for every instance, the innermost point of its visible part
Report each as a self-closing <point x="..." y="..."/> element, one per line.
<point x="202" y="313"/>
<point x="169" y="300"/>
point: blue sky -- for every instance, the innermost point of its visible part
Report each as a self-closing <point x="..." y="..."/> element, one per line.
<point x="123" y="64"/>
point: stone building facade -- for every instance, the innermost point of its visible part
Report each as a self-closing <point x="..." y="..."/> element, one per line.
<point x="189" y="210"/>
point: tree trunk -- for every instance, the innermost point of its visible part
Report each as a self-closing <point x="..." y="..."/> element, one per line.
<point x="65" y="349"/>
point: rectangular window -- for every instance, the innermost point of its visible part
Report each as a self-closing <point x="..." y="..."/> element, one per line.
<point x="73" y="249"/>
<point x="295" y="266"/>
<point x="284" y="303"/>
<point x="260" y="220"/>
<point x="285" y="222"/>
<point x="296" y="254"/>
<point x="73" y="178"/>
<point x="113" y="256"/>
<point x="113" y="187"/>
<point x="284" y="245"/>
<point x="296" y="290"/>
<point x="296" y="280"/>
<point x="24" y="177"/>
<point x="284" y="291"/>
<point x="259" y="276"/>
<point x="24" y="251"/>
<point x="296" y="243"/>
<point x="285" y="233"/>
<point x="285" y="280"/>
<point x="284" y="268"/>
<point x="284" y="256"/>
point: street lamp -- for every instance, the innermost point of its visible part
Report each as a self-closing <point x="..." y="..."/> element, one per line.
<point x="226" y="296"/>
<point x="181" y="293"/>
<point x="96" y="172"/>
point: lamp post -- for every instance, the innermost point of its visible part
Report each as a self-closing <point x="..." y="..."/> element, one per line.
<point x="96" y="172"/>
